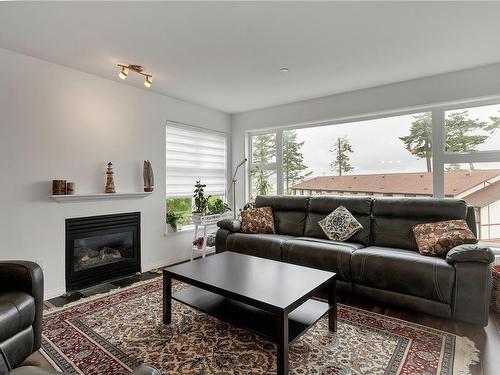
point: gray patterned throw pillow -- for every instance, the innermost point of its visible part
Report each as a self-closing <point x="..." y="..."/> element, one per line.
<point x="340" y="224"/>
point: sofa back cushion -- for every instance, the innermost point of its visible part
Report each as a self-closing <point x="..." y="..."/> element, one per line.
<point x="289" y="212"/>
<point x="322" y="205"/>
<point x="394" y="218"/>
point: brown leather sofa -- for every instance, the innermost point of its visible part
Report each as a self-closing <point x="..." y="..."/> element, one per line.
<point x="381" y="261"/>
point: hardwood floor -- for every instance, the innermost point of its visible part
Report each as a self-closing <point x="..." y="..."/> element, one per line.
<point x="487" y="339"/>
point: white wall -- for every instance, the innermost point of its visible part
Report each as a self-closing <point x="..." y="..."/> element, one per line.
<point x="56" y="123"/>
<point x="483" y="82"/>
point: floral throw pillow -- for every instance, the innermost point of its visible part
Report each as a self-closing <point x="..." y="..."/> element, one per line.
<point x="436" y="239"/>
<point x="340" y="224"/>
<point x="257" y="220"/>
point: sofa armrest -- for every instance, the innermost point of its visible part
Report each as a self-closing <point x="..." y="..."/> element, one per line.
<point x="27" y="277"/>
<point x="231" y="225"/>
<point x="470" y="253"/>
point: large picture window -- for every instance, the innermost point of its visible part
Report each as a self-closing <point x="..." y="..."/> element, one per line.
<point x="193" y="154"/>
<point x="444" y="152"/>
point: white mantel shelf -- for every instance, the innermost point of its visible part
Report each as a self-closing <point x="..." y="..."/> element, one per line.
<point x="99" y="196"/>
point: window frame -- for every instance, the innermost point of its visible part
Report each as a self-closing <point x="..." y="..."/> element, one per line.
<point x="227" y="146"/>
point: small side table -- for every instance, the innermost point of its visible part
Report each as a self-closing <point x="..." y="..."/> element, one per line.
<point x="205" y="222"/>
<point x="204" y="249"/>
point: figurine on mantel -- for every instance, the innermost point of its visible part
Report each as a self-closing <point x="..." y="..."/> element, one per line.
<point x="110" y="181"/>
<point x="148" y="176"/>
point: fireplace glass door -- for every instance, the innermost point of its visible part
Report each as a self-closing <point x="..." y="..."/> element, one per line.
<point x="101" y="248"/>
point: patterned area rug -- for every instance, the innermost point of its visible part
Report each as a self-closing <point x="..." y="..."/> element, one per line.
<point x="113" y="333"/>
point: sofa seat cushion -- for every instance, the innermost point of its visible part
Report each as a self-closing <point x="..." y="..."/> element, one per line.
<point x="17" y="311"/>
<point x="403" y="271"/>
<point x="327" y="255"/>
<point x="260" y="245"/>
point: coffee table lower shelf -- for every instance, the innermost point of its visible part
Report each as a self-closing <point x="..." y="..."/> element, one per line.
<point x="251" y="318"/>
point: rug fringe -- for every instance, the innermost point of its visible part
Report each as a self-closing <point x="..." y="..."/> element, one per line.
<point x="466" y="355"/>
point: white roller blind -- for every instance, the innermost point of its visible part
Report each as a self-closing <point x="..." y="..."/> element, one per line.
<point x="195" y="154"/>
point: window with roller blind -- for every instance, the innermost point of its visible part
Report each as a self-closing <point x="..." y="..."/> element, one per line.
<point x="193" y="154"/>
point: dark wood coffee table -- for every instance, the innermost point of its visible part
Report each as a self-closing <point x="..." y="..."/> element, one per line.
<point x="270" y="298"/>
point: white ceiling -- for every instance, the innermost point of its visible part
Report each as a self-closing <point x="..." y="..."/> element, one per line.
<point x="227" y="55"/>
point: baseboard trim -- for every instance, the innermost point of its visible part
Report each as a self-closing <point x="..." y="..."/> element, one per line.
<point x="164" y="263"/>
<point x="53" y="293"/>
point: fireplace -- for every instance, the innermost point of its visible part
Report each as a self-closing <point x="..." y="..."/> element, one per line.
<point x="101" y="248"/>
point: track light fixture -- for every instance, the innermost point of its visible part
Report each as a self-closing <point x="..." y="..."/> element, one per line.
<point x="124" y="73"/>
<point x="148" y="81"/>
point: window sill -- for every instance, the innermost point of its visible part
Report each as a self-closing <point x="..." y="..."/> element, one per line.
<point x="185" y="229"/>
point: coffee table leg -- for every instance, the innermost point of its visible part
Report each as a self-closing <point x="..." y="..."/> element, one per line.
<point x="332" y="301"/>
<point x="282" y="341"/>
<point x="167" y="299"/>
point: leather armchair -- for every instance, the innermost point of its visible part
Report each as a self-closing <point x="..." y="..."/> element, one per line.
<point x="21" y="310"/>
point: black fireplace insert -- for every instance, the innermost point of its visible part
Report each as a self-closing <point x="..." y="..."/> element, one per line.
<point x="100" y="248"/>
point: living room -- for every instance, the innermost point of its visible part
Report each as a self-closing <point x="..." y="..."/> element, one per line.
<point x="138" y="137"/>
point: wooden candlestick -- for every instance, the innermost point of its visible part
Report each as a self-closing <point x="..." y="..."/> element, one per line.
<point x="58" y="187"/>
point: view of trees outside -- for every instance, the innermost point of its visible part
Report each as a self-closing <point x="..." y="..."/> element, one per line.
<point x="472" y="129"/>
<point x="355" y="148"/>
<point x="363" y="147"/>
<point x="182" y="207"/>
<point x="387" y="145"/>
<point x="340" y="152"/>
<point x="466" y="130"/>
<point x="391" y="145"/>
<point x="263" y="181"/>
<point x="294" y="169"/>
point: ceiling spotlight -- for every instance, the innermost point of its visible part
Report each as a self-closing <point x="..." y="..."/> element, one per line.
<point x="284" y="70"/>
<point x="148" y="81"/>
<point x="124" y="73"/>
<point x="138" y="69"/>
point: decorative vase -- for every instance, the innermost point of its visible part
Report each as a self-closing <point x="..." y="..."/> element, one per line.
<point x="58" y="187"/>
<point x="148" y="176"/>
<point x="110" y="181"/>
<point x="70" y="188"/>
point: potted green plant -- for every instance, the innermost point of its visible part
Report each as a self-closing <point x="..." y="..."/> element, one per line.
<point x="173" y="220"/>
<point x="200" y="201"/>
<point x="215" y="206"/>
<point x="207" y="210"/>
